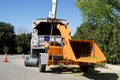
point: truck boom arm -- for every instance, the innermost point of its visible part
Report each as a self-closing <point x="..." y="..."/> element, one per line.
<point x="52" y="14"/>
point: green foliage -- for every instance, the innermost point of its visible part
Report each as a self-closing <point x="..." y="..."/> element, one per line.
<point x="102" y="24"/>
<point x="94" y="8"/>
<point x="19" y="49"/>
<point x="23" y="40"/>
<point x="6" y="36"/>
<point x="6" y="49"/>
<point x="100" y="11"/>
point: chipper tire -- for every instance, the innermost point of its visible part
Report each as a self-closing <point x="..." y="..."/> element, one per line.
<point x="42" y="67"/>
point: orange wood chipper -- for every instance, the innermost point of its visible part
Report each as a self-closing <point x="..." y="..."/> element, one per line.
<point x="61" y="49"/>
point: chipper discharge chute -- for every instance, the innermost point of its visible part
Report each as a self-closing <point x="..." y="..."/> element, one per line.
<point x="81" y="51"/>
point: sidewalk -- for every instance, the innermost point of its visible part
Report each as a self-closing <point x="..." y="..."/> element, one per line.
<point x="113" y="67"/>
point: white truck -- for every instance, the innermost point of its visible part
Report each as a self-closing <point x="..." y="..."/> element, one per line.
<point x="43" y="30"/>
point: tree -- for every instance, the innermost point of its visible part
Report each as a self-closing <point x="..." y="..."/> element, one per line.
<point x="23" y="40"/>
<point x="6" y="49"/>
<point x="19" y="49"/>
<point x="102" y="24"/>
<point x="6" y="36"/>
<point x="83" y="32"/>
<point x="100" y="11"/>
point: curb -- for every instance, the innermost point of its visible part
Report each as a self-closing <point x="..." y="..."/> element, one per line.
<point x="113" y="67"/>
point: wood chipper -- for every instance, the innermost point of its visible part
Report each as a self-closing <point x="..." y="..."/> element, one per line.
<point x="61" y="49"/>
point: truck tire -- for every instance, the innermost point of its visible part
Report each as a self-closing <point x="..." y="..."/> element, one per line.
<point x="84" y="68"/>
<point x="31" y="62"/>
<point x="26" y="63"/>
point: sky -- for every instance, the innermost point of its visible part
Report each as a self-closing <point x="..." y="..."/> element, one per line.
<point x="21" y="13"/>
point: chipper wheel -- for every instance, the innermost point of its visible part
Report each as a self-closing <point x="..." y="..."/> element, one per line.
<point x="84" y="68"/>
<point x="42" y="67"/>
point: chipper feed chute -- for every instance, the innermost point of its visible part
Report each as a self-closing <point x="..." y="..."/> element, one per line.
<point x="80" y="50"/>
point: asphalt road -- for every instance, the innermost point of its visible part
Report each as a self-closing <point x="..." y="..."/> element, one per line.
<point x="14" y="69"/>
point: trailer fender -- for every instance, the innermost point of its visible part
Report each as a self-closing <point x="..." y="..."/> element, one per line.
<point x="43" y="58"/>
